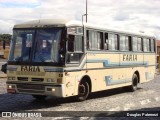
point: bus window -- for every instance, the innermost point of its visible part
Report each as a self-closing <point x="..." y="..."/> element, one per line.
<point x="116" y="40"/>
<point x="134" y="43"/>
<point x="122" y="43"/>
<point x="125" y="43"/>
<point x="129" y="43"/>
<point x="71" y="43"/>
<point x="78" y="43"/>
<point x="101" y="41"/>
<point x="75" y="43"/>
<point x="87" y="39"/>
<point x="75" y="48"/>
<point x="139" y="46"/>
<point x="113" y="41"/>
<point x="146" y="45"/>
<point x="106" y="45"/>
<point x="95" y="40"/>
<point x="152" y="45"/>
<point x="149" y="44"/>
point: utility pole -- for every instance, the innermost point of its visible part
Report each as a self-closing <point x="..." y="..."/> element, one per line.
<point x="86" y="10"/>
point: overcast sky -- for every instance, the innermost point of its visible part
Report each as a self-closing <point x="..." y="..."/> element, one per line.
<point x="135" y="15"/>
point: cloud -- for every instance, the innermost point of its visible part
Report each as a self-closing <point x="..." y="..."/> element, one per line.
<point x="137" y="15"/>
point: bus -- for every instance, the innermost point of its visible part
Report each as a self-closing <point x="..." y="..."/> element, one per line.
<point x="64" y="58"/>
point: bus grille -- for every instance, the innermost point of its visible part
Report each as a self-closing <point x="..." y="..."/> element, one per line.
<point x="37" y="79"/>
<point x="30" y="91"/>
<point x="30" y="73"/>
<point x="22" y="78"/>
<point x="30" y="87"/>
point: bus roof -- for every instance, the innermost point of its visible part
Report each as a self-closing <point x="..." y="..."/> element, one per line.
<point x="70" y="23"/>
<point x="42" y="23"/>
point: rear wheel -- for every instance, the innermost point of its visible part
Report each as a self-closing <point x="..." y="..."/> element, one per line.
<point x="134" y="85"/>
<point x="83" y="91"/>
<point x="39" y="97"/>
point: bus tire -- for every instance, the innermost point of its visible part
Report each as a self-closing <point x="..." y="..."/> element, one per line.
<point x="134" y="85"/>
<point x="39" y="97"/>
<point x="83" y="91"/>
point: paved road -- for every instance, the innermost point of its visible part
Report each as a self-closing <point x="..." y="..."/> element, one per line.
<point x="147" y="97"/>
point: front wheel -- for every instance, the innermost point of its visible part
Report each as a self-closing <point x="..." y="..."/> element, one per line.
<point x="83" y="91"/>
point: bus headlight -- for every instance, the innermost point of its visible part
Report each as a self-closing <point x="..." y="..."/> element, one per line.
<point x="11" y="78"/>
<point x="52" y="80"/>
<point x="10" y="86"/>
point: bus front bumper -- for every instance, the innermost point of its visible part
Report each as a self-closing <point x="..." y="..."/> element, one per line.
<point x="36" y="89"/>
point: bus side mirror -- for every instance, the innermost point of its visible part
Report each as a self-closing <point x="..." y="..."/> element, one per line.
<point x="4" y="68"/>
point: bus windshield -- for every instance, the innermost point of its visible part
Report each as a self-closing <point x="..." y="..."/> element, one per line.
<point x="40" y="45"/>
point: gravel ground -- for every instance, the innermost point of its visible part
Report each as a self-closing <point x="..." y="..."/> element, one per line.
<point x="146" y="98"/>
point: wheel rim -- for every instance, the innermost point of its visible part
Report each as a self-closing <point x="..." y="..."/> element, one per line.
<point x="135" y="82"/>
<point x="82" y="90"/>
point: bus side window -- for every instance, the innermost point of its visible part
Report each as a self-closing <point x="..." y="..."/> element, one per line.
<point x="71" y="43"/>
<point x="152" y="45"/>
<point x="111" y="41"/>
<point x="122" y="43"/>
<point x="135" y="43"/>
<point x="149" y="44"/>
<point x="116" y="40"/>
<point x="130" y="43"/>
<point x="146" y="45"/>
<point x="139" y="44"/>
<point x="87" y="39"/>
<point x="106" y="42"/>
<point x="95" y="40"/>
<point x="78" y="43"/>
<point x="125" y="43"/>
<point x="101" y="43"/>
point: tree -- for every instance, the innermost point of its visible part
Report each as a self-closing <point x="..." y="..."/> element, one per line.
<point x="6" y="38"/>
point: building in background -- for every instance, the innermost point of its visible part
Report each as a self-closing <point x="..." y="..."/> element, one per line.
<point x="158" y="49"/>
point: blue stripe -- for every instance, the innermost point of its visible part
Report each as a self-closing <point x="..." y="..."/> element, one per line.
<point x="107" y="62"/>
<point x="109" y="81"/>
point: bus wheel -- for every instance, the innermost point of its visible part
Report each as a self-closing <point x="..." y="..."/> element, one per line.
<point x="134" y="85"/>
<point x="39" y="97"/>
<point x="83" y="91"/>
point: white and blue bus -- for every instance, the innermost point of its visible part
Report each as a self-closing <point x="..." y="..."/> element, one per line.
<point x="65" y="58"/>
